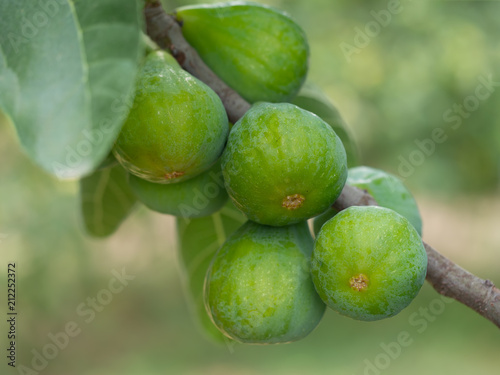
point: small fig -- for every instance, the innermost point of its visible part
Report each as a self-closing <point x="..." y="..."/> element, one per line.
<point x="177" y="126"/>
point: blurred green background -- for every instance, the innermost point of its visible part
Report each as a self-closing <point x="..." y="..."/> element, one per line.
<point x="394" y="91"/>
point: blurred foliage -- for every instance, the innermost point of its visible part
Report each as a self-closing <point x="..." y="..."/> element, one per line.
<point x="396" y="90"/>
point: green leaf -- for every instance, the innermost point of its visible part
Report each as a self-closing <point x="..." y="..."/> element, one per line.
<point x="199" y="240"/>
<point x="312" y="99"/>
<point x="67" y="68"/>
<point x="106" y="200"/>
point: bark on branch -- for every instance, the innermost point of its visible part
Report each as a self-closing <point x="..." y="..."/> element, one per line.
<point x="166" y="32"/>
<point x="445" y="276"/>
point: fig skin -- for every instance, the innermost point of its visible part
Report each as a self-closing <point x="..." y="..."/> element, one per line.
<point x="199" y="196"/>
<point x="368" y="263"/>
<point x="177" y="127"/>
<point x="258" y="289"/>
<point x="283" y="164"/>
<point x="257" y="50"/>
<point x="387" y="190"/>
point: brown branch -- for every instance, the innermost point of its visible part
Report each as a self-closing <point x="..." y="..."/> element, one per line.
<point x="166" y="32"/>
<point x="353" y="197"/>
<point x="445" y="276"/>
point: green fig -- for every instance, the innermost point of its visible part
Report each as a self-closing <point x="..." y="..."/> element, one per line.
<point x="258" y="288"/>
<point x="387" y="190"/>
<point x="197" y="197"/>
<point x="258" y="51"/>
<point x="368" y="263"/>
<point x="283" y="164"/>
<point x="177" y="127"/>
<point x="312" y="99"/>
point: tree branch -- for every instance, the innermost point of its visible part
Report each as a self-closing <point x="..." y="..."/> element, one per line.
<point x="166" y="32"/>
<point x="445" y="276"/>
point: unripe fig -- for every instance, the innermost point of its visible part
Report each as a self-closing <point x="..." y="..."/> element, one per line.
<point x="387" y="190"/>
<point x="258" y="288"/>
<point x="177" y="126"/>
<point x="283" y="164"/>
<point x="258" y="51"/>
<point x="368" y="263"/>
<point x="197" y="197"/>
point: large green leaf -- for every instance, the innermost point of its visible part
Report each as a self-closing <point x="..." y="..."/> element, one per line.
<point x="67" y="68"/>
<point x="199" y="240"/>
<point x="105" y="200"/>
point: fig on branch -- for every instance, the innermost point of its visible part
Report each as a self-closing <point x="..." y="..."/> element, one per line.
<point x="177" y="126"/>
<point x="257" y="50"/>
<point x="368" y="263"/>
<point x="283" y="164"/>
<point x="258" y="288"/>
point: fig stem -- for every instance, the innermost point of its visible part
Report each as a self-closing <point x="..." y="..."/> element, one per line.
<point x="446" y="277"/>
